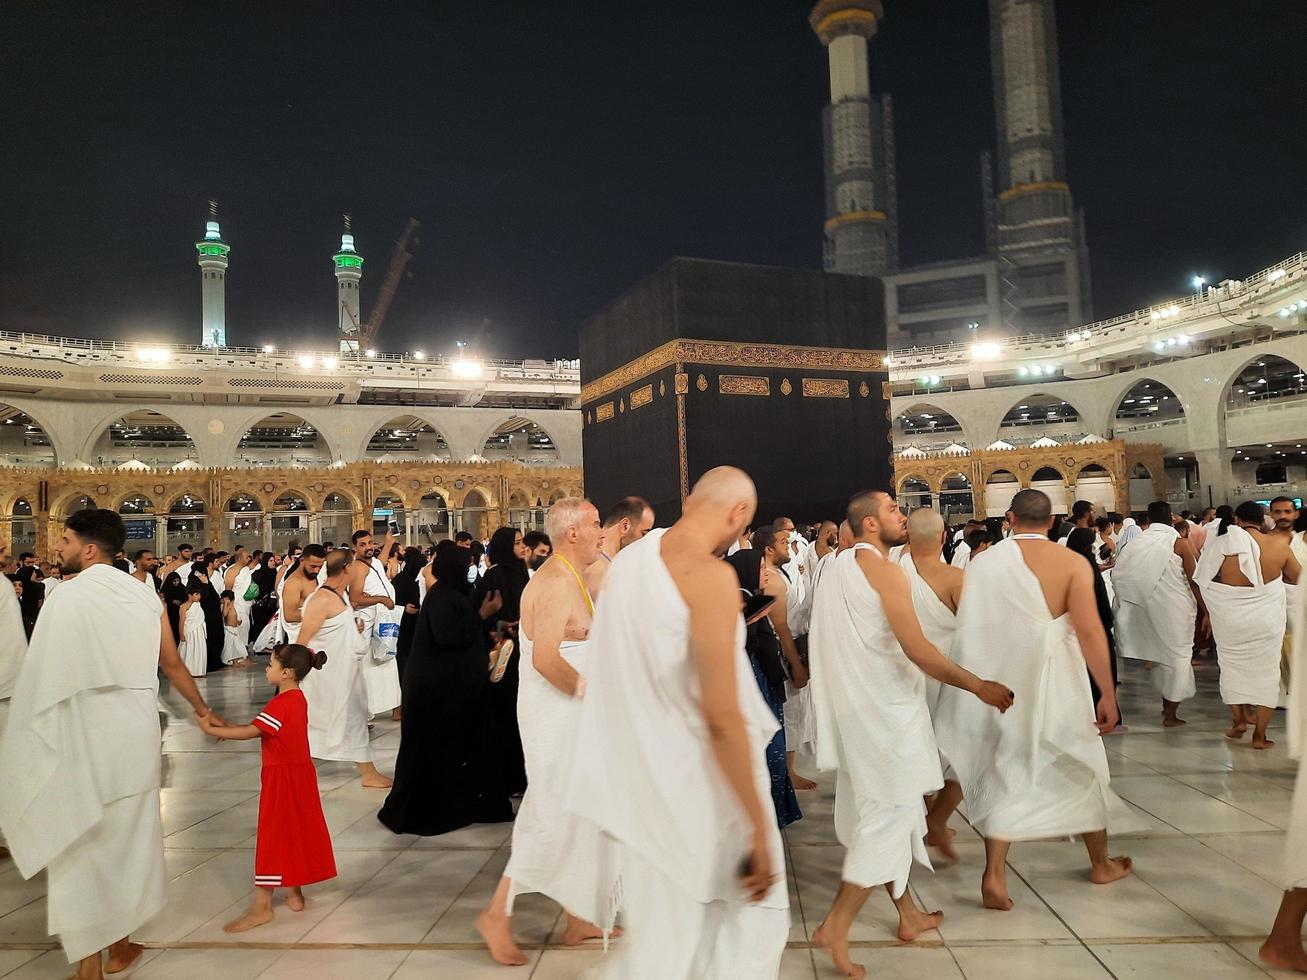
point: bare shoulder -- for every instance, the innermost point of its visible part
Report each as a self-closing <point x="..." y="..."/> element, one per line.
<point x="703" y="580"/>
<point x="880" y="572"/>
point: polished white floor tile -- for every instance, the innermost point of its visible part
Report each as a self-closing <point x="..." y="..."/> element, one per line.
<point x="1141" y="961"/>
<point x="465" y="964"/>
<point x="335" y="964"/>
<point x="1028" y="963"/>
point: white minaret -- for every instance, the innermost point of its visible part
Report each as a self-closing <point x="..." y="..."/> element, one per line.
<point x="349" y="272"/>
<point x="212" y="260"/>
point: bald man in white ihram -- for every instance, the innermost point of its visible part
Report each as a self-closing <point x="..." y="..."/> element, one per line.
<point x="671" y="753"/>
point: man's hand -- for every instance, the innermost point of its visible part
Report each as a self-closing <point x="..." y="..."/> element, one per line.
<point x="996" y="695"/>
<point x="755" y="871"/>
<point x="1108" y="716"/>
<point x="388" y="602"/>
<point x="491" y="604"/>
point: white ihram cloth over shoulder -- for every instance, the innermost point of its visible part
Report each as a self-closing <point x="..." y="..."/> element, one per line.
<point x="1039" y="770"/>
<point x="644" y="772"/>
<point x="938" y="621"/>
<point x="1156" y="611"/>
<point x="1295" y="844"/>
<point x="240" y="585"/>
<point x="381" y="679"/>
<point x="13" y="649"/>
<point x="873" y="726"/>
<point x="1247" y="623"/>
<point x="555" y="852"/>
<point x="796" y="714"/>
<point x="80" y="759"/>
<point x="337" y="697"/>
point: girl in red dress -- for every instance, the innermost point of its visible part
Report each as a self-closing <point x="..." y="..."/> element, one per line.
<point x="293" y="846"/>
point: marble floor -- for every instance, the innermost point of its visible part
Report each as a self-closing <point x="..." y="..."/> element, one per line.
<point x="1212" y="819"/>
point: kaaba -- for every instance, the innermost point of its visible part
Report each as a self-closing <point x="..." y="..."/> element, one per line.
<point x="778" y="371"/>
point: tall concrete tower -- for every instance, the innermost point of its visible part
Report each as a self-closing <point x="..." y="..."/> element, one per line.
<point x="349" y="273"/>
<point x="1044" y="266"/>
<point x="861" y="207"/>
<point x="212" y="259"/>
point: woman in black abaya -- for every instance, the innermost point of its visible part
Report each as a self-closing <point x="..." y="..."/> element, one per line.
<point x="498" y="597"/>
<point x="444" y="778"/>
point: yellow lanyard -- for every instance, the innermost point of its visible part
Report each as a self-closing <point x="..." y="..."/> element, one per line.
<point x="579" y="581"/>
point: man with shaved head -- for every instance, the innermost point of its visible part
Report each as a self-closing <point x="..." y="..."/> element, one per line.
<point x="1029" y="611"/>
<point x="936" y="592"/>
<point x="670" y="758"/>
<point x="630" y="519"/>
<point x="870" y="661"/>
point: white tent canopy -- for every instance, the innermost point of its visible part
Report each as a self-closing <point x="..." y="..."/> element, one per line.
<point x="133" y="464"/>
<point x="1000" y="444"/>
<point x="1044" y="443"/>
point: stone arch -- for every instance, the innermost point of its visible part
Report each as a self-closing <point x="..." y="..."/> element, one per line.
<point x="236" y="503"/>
<point x="21" y="507"/>
<point x="1000" y="486"/>
<point x="152" y="425"/>
<point x="953" y="485"/>
<point x="294" y="492"/>
<point x="925" y="420"/>
<point x="1287" y="365"/>
<point x="18" y="425"/>
<point x="179" y="497"/>
<point x="409" y="436"/>
<point x="1040" y="408"/>
<point x="255" y="433"/>
<point x="914" y="492"/>
<point x="344" y="493"/>
<point x="510" y="428"/>
<point x="1095" y="482"/>
<point x="1135" y="385"/>
<point x="135" y="497"/>
<point x="72" y="500"/>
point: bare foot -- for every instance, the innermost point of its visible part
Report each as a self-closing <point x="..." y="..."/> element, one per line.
<point x="120" y="958"/>
<point x="250" y="920"/>
<point x="941" y="838"/>
<point x="1236" y="732"/>
<point x="916" y="922"/>
<point x="578" y="931"/>
<point x="1262" y="743"/>
<point x="295" y="900"/>
<point x="377" y="781"/>
<point x="1173" y="722"/>
<point x="497" y="931"/>
<point x="802" y="783"/>
<point x="993" y="894"/>
<point x="1291" y="958"/>
<point x="1114" y="870"/>
<point x="838" y="948"/>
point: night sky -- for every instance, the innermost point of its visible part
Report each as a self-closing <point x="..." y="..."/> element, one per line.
<point x="557" y="152"/>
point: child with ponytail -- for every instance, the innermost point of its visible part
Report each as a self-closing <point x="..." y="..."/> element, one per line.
<point x="293" y="846"/>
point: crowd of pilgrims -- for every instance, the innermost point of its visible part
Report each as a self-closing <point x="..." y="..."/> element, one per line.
<point x="455" y="652"/>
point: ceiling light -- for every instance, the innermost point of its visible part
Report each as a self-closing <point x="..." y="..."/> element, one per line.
<point x="329" y="363"/>
<point x="371" y="353"/>
<point x="418" y="355"/>
<point x="269" y="349"/>
<point x="305" y="361"/>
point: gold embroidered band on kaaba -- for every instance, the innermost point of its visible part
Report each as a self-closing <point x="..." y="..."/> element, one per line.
<point x="729" y="354"/>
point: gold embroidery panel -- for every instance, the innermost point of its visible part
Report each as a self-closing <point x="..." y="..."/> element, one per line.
<point x="604" y="412"/>
<point x="641" y="397"/>
<point x="825" y="388"/>
<point x="743" y="384"/>
<point x="727" y="354"/>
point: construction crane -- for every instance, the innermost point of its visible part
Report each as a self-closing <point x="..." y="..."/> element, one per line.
<point x="367" y="332"/>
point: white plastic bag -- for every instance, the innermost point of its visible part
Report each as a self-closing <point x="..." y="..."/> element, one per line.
<point x="385" y="633"/>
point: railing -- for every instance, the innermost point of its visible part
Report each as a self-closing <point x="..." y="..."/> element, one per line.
<point x="149" y="355"/>
<point x="1184" y="309"/>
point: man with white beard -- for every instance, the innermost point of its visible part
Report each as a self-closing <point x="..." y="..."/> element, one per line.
<point x="80" y="760"/>
<point x="1156" y="608"/>
<point x="1029" y="611"/>
<point x="670" y="753"/>
<point x="870" y="662"/>
<point x="555" y="853"/>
